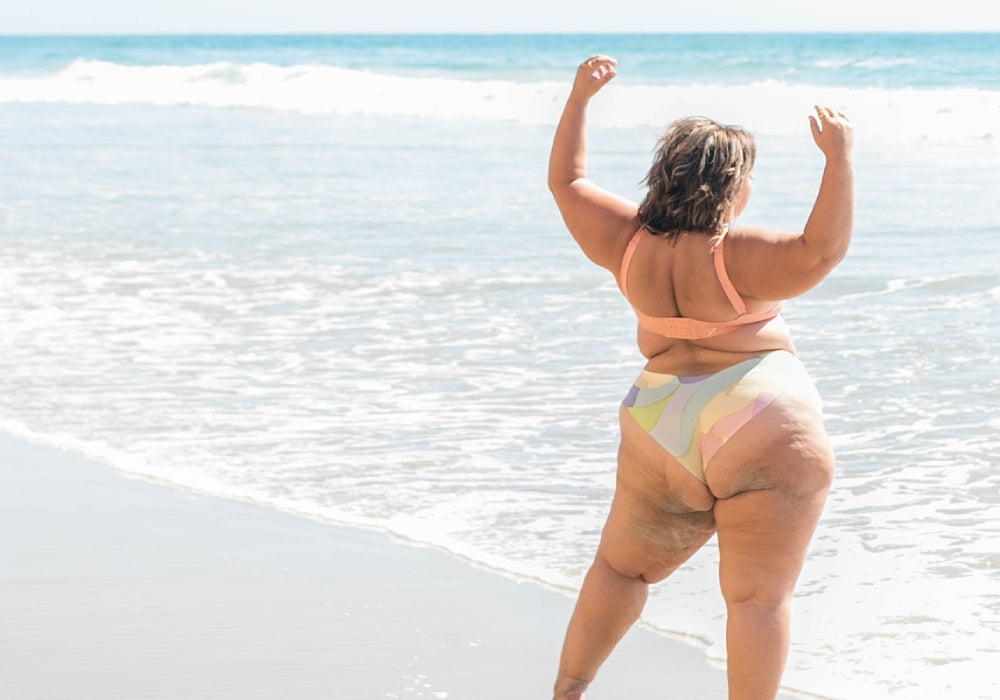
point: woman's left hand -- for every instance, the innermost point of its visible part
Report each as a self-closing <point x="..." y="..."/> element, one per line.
<point x="592" y="75"/>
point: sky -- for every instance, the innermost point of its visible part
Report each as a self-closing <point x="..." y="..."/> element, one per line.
<point x="340" y="16"/>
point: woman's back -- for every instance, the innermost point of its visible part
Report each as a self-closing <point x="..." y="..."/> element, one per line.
<point x="686" y="278"/>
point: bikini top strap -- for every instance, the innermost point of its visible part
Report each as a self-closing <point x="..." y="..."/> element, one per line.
<point x="720" y="270"/>
<point x="627" y="261"/>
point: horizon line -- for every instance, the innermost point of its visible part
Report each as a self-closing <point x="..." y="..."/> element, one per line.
<point x="692" y="32"/>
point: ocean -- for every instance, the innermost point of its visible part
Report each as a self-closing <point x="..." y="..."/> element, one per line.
<point x="324" y="274"/>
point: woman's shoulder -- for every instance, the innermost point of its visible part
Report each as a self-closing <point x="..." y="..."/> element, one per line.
<point x="625" y="232"/>
<point x="601" y="222"/>
<point x="769" y="263"/>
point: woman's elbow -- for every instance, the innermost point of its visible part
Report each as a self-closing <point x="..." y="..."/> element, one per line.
<point x="828" y="252"/>
<point x="817" y="272"/>
<point x="831" y="258"/>
<point x="560" y="183"/>
<point x="561" y="190"/>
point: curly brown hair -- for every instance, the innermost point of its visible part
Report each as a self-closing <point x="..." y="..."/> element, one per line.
<point x="696" y="177"/>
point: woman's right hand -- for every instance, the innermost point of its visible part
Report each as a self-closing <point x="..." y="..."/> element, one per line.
<point x="832" y="132"/>
<point x="592" y="75"/>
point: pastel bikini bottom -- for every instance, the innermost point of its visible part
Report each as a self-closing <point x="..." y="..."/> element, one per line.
<point x="692" y="417"/>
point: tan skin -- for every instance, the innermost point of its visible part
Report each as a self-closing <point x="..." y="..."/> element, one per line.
<point x="765" y="488"/>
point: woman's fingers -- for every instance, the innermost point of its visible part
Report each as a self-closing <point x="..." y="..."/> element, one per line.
<point x="832" y="130"/>
<point x="600" y="60"/>
<point x="599" y="66"/>
<point x="814" y="126"/>
<point x="815" y="123"/>
<point x="828" y="115"/>
<point x="823" y="112"/>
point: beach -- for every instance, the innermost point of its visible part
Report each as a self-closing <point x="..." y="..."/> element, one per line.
<point x="323" y="275"/>
<point x="122" y="588"/>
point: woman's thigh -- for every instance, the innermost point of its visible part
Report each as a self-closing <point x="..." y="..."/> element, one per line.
<point x="661" y="513"/>
<point x="771" y="479"/>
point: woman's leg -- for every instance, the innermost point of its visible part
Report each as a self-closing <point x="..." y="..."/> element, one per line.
<point x="614" y="590"/>
<point x="771" y="480"/>
<point x="763" y="539"/>
<point x="609" y="604"/>
<point x="660" y="516"/>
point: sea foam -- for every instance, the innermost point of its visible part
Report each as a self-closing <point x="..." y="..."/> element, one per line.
<point x="768" y="107"/>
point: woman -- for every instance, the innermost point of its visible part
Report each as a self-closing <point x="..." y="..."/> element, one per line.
<point x="722" y="432"/>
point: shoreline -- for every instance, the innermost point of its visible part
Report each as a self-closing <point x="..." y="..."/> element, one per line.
<point x="118" y="587"/>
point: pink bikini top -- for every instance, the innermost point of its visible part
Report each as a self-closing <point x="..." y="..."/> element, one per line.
<point x="689" y="328"/>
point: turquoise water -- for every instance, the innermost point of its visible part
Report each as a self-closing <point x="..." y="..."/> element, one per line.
<point x="852" y="60"/>
<point x="324" y="274"/>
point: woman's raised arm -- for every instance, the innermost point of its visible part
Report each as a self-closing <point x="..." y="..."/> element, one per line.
<point x="828" y="231"/>
<point x="774" y="265"/>
<point x="594" y="216"/>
